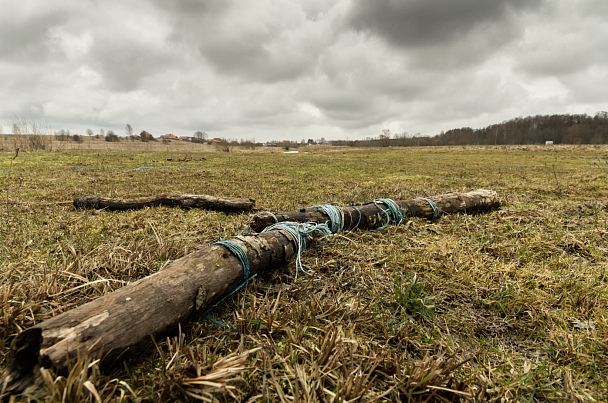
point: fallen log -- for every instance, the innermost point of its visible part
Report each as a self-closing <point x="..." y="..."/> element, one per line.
<point x="187" y="201"/>
<point x="123" y="321"/>
<point x="377" y="214"/>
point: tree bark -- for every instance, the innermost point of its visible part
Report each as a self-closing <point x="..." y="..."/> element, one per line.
<point x="125" y="320"/>
<point x="371" y="215"/>
<point x="225" y="204"/>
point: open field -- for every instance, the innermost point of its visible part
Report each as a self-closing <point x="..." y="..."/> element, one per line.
<point x="51" y="143"/>
<point x="511" y="305"/>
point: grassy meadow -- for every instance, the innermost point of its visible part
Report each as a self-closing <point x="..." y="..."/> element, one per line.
<point x="511" y="305"/>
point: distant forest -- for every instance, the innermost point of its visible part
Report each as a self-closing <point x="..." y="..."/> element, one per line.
<point x="560" y="129"/>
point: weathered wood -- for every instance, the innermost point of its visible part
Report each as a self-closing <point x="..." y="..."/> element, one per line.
<point x="371" y="215"/>
<point x="124" y="320"/>
<point x="225" y="204"/>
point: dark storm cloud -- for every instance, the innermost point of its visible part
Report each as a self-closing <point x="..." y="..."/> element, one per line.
<point x="442" y="34"/>
<point x="421" y="23"/>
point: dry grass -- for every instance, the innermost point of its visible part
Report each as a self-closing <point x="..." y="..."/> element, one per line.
<point x="505" y="306"/>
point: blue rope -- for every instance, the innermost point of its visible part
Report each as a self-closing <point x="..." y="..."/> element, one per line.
<point x="240" y="253"/>
<point x="301" y="232"/>
<point x="336" y="216"/>
<point x="393" y="212"/>
<point x="436" y="212"/>
<point x="220" y="323"/>
<point x="248" y="230"/>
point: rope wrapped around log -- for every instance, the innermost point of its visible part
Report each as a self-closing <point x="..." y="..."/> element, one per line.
<point x="378" y="213"/>
<point x="124" y="320"/>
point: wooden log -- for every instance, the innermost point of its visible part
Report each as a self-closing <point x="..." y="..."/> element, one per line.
<point x="371" y="215"/>
<point x="124" y="321"/>
<point x="225" y="204"/>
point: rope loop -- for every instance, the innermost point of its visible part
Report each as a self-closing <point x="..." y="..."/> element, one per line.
<point x="248" y="230"/>
<point x="436" y="212"/>
<point x="393" y="213"/>
<point x="335" y="214"/>
<point x="301" y="233"/>
<point x="240" y="253"/>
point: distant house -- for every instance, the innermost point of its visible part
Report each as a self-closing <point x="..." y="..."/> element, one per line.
<point x="184" y="138"/>
<point x="548" y="143"/>
<point x="215" y="140"/>
<point x="146" y="136"/>
<point x="169" y="136"/>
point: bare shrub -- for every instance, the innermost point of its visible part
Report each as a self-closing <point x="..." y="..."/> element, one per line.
<point x="31" y="134"/>
<point x="224" y="146"/>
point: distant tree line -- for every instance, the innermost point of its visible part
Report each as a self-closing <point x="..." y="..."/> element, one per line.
<point x="560" y="129"/>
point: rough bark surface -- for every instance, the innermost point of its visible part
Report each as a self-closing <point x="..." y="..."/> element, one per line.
<point x="226" y="204"/>
<point x="371" y="215"/>
<point x="125" y="320"/>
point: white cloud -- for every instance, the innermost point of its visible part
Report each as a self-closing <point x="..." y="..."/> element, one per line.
<point x="309" y="109"/>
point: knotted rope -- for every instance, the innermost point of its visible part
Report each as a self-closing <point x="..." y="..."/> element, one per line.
<point x="248" y="231"/>
<point x="240" y="253"/>
<point x="436" y="212"/>
<point x="393" y="213"/>
<point x="301" y="233"/>
<point x="335" y="214"/>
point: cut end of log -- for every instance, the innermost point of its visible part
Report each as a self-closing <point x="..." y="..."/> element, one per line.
<point x="482" y="200"/>
<point x="24" y="360"/>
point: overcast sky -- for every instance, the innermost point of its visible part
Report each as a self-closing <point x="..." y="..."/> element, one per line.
<point x="279" y="69"/>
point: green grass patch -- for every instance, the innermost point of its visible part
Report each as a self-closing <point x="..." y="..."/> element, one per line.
<point x="506" y="305"/>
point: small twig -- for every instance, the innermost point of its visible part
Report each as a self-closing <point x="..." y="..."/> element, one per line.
<point x="557" y="182"/>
